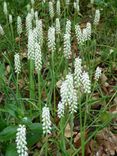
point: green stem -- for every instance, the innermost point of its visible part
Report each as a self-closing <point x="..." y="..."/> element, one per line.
<point x="17" y="87"/>
<point x="81" y="130"/>
<point x="72" y="126"/>
<point x="46" y="147"/>
<point x="53" y="85"/>
<point x="32" y="90"/>
<point x="62" y="135"/>
<point x="39" y="93"/>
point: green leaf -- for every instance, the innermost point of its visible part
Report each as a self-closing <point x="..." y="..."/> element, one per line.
<point x="35" y="133"/>
<point x="2" y="124"/>
<point x="8" y="133"/>
<point x="11" y="150"/>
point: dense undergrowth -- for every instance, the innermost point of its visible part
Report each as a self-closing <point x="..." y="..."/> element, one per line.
<point x="58" y="78"/>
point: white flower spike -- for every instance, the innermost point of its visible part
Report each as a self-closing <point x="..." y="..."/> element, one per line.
<point x="97" y="17"/>
<point x="98" y="73"/>
<point x="38" y="57"/>
<point x="31" y="45"/>
<point x="5" y="10"/>
<point x="86" y="83"/>
<point x="60" y="111"/>
<point x="1" y="30"/>
<point x="67" y="46"/>
<point x="51" y="39"/>
<point x="51" y="10"/>
<point x="17" y="63"/>
<point x="58" y="26"/>
<point x="21" y="141"/>
<point x="77" y="72"/>
<point x="46" y="122"/>
<point x="19" y="25"/>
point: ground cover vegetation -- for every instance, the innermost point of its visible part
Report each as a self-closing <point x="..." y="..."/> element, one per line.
<point x="58" y="78"/>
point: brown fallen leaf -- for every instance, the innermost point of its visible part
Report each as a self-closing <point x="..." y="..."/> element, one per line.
<point x="68" y="131"/>
<point x="108" y="141"/>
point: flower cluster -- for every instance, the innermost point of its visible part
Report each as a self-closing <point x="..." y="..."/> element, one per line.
<point x="57" y="26"/>
<point x="86" y="83"/>
<point x="10" y="19"/>
<point x="76" y="6"/>
<point x="77" y="72"/>
<point x="51" y="10"/>
<point x="46" y="122"/>
<point x="78" y="33"/>
<point x="19" y="25"/>
<point x="38" y="57"/>
<point x="97" y="17"/>
<point x="28" y="22"/>
<point x="60" y="110"/>
<point x="67" y="46"/>
<point x="21" y="141"/>
<point x="68" y="96"/>
<point x="17" y="63"/>
<point x="31" y="43"/>
<point x="51" y="39"/>
<point x="5" y="10"/>
<point x="58" y="9"/>
<point x="1" y="30"/>
<point x="68" y="27"/>
<point x="39" y="27"/>
<point x="98" y="73"/>
<point x="83" y="35"/>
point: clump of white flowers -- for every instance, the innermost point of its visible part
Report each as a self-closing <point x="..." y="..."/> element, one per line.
<point x="57" y="26"/>
<point x="88" y="29"/>
<point x="1" y="30"/>
<point x="76" y="6"/>
<point x="68" y="27"/>
<point x="17" y="63"/>
<point x="51" y="39"/>
<point x="38" y="57"/>
<point x="19" y="25"/>
<point x="77" y="72"/>
<point x="97" y="73"/>
<point x="68" y="93"/>
<point x="60" y="110"/>
<point x="58" y="8"/>
<point x="35" y="35"/>
<point x="21" y="141"/>
<point x="5" y="10"/>
<point x="10" y="19"/>
<point x="46" y="122"/>
<point x="67" y="46"/>
<point x="39" y="26"/>
<point x="78" y="33"/>
<point x="97" y="17"/>
<point x="83" y="35"/>
<point x="31" y="45"/>
<point x="86" y="83"/>
<point x="51" y="10"/>
<point x="28" y="22"/>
